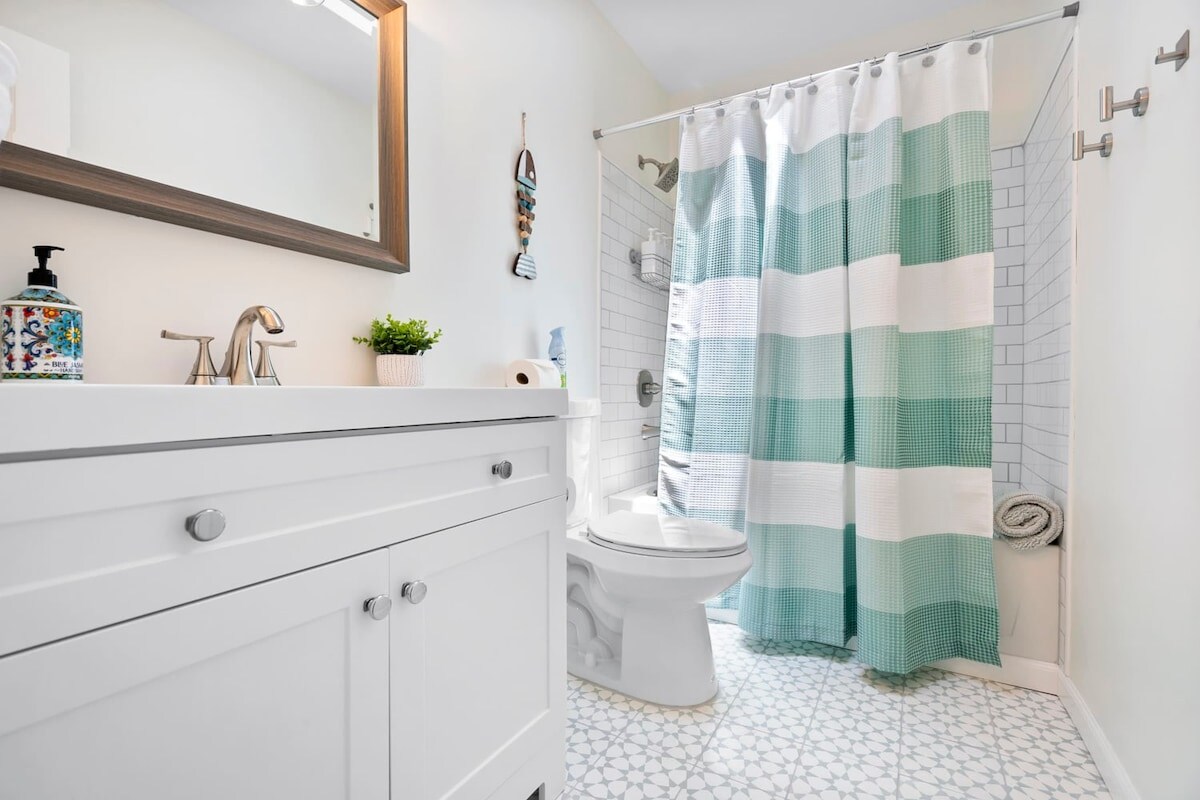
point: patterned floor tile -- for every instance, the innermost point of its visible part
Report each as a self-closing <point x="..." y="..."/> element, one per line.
<point x="831" y="768"/>
<point x="973" y="771"/>
<point x="932" y="683"/>
<point x="1050" y="780"/>
<point x="947" y="716"/>
<point x="800" y="689"/>
<point x="855" y="673"/>
<point x="629" y="772"/>
<point x="798" y="720"/>
<point x="586" y="708"/>
<point x="610" y="696"/>
<point x="872" y="733"/>
<point x="1029" y="738"/>
<point x="731" y="674"/>
<point x="777" y="719"/>
<point x="914" y="789"/>
<point x="793" y="654"/>
<point x="584" y="746"/>
<point x="752" y="757"/>
<point x="711" y="786"/>
<point x="858" y="701"/>
<point x="715" y="707"/>
<point x="680" y="733"/>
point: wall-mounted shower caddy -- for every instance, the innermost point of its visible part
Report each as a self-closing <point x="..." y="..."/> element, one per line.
<point x="653" y="260"/>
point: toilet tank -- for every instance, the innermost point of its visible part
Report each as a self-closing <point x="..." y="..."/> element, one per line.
<point x="583" y="453"/>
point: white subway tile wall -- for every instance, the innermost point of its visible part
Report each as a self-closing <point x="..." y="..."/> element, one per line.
<point x="1008" y="235"/>
<point x="1045" y="403"/>
<point x="633" y="329"/>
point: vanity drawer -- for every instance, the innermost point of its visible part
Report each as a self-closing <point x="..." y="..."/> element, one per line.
<point x="93" y="541"/>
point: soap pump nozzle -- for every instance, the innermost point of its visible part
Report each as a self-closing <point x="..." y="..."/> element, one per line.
<point x="42" y="276"/>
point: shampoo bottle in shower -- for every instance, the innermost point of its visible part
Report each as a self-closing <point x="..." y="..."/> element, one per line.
<point x="41" y="331"/>
<point x="558" y="354"/>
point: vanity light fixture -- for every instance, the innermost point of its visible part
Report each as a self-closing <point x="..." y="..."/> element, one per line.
<point x="346" y="9"/>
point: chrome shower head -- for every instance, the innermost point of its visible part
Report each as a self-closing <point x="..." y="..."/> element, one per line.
<point x="668" y="174"/>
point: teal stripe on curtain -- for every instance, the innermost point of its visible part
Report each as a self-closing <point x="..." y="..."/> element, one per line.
<point x="802" y="191"/>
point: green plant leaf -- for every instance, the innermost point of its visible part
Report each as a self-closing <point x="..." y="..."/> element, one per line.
<point x="391" y="337"/>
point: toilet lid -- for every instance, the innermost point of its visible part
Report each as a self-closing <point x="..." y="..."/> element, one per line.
<point x="661" y="535"/>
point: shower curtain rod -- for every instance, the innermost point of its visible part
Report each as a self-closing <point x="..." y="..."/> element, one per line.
<point x="1070" y="10"/>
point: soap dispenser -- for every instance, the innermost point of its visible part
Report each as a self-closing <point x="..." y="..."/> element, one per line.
<point x="41" y="331"/>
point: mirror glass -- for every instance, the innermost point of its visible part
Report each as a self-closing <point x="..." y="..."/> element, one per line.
<point x="271" y="104"/>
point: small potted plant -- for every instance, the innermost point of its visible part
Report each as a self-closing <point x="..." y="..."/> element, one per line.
<point x="399" y="347"/>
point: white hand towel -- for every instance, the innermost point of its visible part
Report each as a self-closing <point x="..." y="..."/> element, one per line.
<point x="8" y="79"/>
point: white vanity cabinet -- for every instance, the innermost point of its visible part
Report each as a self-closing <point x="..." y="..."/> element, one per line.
<point x="477" y="667"/>
<point x="379" y="616"/>
<point x="276" y="690"/>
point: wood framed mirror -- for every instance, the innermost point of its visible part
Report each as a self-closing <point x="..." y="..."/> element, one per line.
<point x="320" y="60"/>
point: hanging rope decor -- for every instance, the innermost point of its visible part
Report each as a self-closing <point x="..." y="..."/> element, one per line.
<point x="526" y="176"/>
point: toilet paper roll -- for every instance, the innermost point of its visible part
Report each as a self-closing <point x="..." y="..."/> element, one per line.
<point x="572" y="502"/>
<point x="529" y="373"/>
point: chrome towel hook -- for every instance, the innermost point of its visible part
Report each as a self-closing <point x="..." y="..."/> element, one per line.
<point x="1104" y="146"/>
<point x="1183" y="49"/>
<point x="1139" y="103"/>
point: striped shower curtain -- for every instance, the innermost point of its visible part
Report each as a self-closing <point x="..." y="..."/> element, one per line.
<point x="829" y="355"/>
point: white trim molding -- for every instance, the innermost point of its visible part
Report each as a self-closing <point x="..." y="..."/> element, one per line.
<point x="1110" y="766"/>
<point x="1040" y="676"/>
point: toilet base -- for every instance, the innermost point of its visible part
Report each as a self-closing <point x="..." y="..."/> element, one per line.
<point x="665" y="657"/>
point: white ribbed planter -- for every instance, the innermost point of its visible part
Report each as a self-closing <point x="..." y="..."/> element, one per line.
<point x="400" y="370"/>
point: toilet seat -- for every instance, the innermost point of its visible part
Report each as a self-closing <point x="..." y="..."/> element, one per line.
<point x="665" y="536"/>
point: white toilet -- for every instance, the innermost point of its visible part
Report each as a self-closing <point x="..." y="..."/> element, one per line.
<point x="636" y="587"/>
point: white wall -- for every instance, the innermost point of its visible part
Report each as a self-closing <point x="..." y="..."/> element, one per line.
<point x="473" y="67"/>
<point x="1135" y="490"/>
<point x="633" y="328"/>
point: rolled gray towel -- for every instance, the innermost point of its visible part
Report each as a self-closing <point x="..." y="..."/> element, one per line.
<point x="1027" y="520"/>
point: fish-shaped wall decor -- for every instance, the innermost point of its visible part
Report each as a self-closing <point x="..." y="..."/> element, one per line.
<point x="526" y="176"/>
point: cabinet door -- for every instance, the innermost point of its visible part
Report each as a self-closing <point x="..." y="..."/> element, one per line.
<point x="276" y="690"/>
<point x="478" y="665"/>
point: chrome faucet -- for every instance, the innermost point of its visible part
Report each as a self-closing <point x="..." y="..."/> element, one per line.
<point x="237" y="366"/>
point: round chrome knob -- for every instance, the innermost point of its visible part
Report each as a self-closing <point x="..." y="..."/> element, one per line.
<point x="414" y="591"/>
<point x="378" y="607"/>
<point x="503" y="469"/>
<point x="206" y="525"/>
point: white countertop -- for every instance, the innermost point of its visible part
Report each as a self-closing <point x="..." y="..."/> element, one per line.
<point x="44" y="418"/>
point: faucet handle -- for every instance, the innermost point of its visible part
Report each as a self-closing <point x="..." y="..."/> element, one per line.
<point x="264" y="370"/>
<point x="203" y="371"/>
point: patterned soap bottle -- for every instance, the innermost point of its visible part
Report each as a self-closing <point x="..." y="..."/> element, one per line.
<point x="41" y="331"/>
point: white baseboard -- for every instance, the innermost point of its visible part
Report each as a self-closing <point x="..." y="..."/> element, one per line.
<point x="1040" y="676"/>
<point x="1111" y="769"/>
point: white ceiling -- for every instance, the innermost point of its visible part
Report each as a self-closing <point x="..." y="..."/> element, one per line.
<point x="692" y="44"/>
